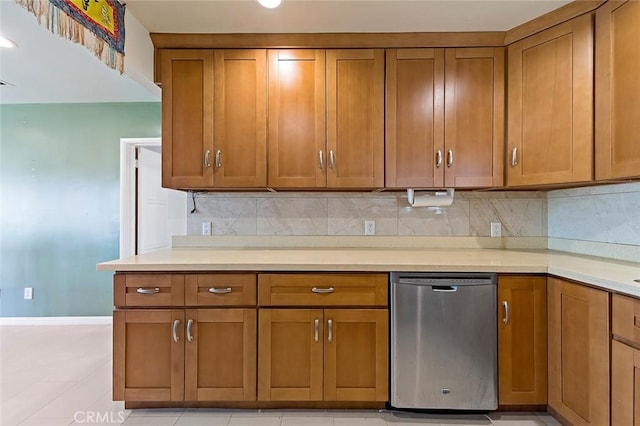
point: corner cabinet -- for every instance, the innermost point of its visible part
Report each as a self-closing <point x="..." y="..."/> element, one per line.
<point x="444" y="117"/>
<point x="522" y="340"/>
<point x="337" y="351"/>
<point x="213" y="118"/>
<point x="550" y="106"/>
<point x="617" y="87"/>
<point x="579" y="341"/>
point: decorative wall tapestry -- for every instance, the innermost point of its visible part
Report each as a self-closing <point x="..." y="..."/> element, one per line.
<point x="96" y="24"/>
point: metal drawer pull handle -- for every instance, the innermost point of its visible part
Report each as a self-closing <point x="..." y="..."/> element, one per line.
<point x="438" y="158"/>
<point x="332" y="160"/>
<point x="506" y="311"/>
<point x="330" y="337"/>
<point x="207" y="162"/>
<point x="514" y="157"/>
<point x="449" y="158"/>
<point x="220" y="290"/>
<point x="189" y="325"/>
<point x="141" y="290"/>
<point x="218" y="163"/>
<point x="321" y="159"/>
<point x="316" y="324"/>
<point x="323" y="290"/>
<point x="445" y="288"/>
<point x="176" y="323"/>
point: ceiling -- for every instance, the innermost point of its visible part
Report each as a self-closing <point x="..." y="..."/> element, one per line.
<point x="47" y="68"/>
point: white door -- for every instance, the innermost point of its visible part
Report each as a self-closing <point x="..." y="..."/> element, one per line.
<point x="161" y="212"/>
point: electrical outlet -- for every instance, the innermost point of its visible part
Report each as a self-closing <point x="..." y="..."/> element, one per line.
<point x="369" y="227"/>
<point x="206" y="228"/>
<point x="28" y="293"/>
<point x="496" y="229"/>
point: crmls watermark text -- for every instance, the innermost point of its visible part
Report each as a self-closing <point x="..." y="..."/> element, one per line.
<point x="99" y="417"/>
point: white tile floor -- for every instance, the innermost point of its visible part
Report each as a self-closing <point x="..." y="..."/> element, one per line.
<point x="61" y="375"/>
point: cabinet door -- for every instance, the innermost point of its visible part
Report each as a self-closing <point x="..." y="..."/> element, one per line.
<point x="297" y="129"/>
<point x="550" y="106"/>
<point x="290" y="346"/>
<point x="617" y="88"/>
<point x="414" y="118"/>
<point x="187" y="118"/>
<point x="522" y="340"/>
<point x="356" y="355"/>
<point x="148" y="355"/>
<point x="625" y="384"/>
<point x="474" y="117"/>
<point x="578" y="352"/>
<point x="220" y="355"/>
<point x="240" y="158"/>
<point x="355" y="118"/>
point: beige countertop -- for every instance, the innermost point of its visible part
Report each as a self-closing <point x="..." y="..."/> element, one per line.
<point x="608" y="274"/>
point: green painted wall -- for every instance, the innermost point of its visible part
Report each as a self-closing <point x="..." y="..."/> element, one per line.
<point x="59" y="202"/>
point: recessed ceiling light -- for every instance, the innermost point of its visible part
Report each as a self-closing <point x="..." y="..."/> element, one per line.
<point x="270" y="4"/>
<point x="5" y="42"/>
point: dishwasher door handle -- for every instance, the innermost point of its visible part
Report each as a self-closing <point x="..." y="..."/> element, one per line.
<point x="445" y="288"/>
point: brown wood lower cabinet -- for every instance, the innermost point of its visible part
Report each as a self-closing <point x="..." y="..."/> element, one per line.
<point x="625" y="384"/>
<point x="184" y="355"/>
<point x="522" y="340"/>
<point x="316" y="355"/>
<point x="579" y="340"/>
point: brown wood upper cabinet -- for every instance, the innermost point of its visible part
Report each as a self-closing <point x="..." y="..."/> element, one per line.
<point x="326" y="118"/>
<point x="297" y="119"/>
<point x="355" y="118"/>
<point x="444" y="117"/>
<point x="214" y="119"/>
<point x="550" y="106"/>
<point x="617" y="88"/>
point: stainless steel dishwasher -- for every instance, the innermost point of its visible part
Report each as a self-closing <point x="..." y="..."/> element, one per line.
<point x="444" y="341"/>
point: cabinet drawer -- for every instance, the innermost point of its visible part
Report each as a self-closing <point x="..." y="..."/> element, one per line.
<point x="148" y="290"/>
<point x="323" y="289"/>
<point x="626" y="318"/>
<point x="220" y="289"/>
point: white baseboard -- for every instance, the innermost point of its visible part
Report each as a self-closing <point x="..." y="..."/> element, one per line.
<point x="55" y="320"/>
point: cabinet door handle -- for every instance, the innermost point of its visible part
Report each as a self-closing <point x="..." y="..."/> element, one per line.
<point x="332" y="159"/>
<point x="207" y="159"/>
<point x="220" y="290"/>
<point x="316" y="325"/>
<point x="323" y="290"/>
<point x="506" y="311"/>
<point x="218" y="155"/>
<point x="174" y="331"/>
<point x="514" y="157"/>
<point x="321" y="157"/>
<point x="450" y="158"/>
<point x="438" y="158"/>
<point x="141" y="290"/>
<point x="330" y="336"/>
<point x="189" y="325"/>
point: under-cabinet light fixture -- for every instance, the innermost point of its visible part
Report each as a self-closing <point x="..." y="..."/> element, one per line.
<point x="270" y="4"/>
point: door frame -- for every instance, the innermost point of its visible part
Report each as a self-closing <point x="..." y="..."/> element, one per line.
<point x="128" y="148"/>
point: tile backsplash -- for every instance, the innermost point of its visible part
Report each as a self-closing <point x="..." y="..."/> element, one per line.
<point x="342" y="213"/>
<point x="598" y="220"/>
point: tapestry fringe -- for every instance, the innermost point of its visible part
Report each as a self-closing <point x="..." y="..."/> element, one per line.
<point x="58" y="22"/>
